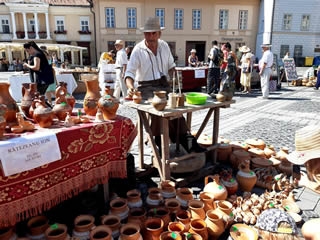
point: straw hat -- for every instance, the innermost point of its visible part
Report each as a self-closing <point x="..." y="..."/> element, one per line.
<point x="193" y="50"/>
<point x="152" y="24"/>
<point x="244" y="49"/>
<point x="307" y="141"/>
<point x="266" y="45"/>
<point x="119" y="42"/>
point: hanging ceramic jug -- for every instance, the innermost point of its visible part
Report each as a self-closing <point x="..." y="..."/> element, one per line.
<point x="153" y="228"/>
<point x="113" y="222"/>
<point x="3" y="122"/>
<point x="108" y="106"/>
<point x="219" y="191"/>
<point x="56" y="232"/>
<point x="90" y="103"/>
<point x="83" y="224"/>
<point x="130" y="231"/>
<point x="101" y="232"/>
<point x="37" y="227"/>
<point x="159" y="100"/>
<point x="215" y="224"/>
<point x="12" y="107"/>
<point x="245" y="177"/>
<point x="28" y="93"/>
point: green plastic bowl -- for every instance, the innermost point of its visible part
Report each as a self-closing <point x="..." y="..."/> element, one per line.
<point x="196" y="98"/>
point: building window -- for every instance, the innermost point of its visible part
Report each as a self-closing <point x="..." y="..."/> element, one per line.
<point x="130" y="43"/>
<point x="305" y="22"/>
<point x="160" y="15"/>
<point x="178" y="19"/>
<point x="223" y="19"/>
<point x="110" y="18"/>
<point x="287" y="20"/>
<point x="243" y="19"/>
<point x="297" y="51"/>
<point x="132" y="17"/>
<point x="196" y="19"/>
<point x="283" y="50"/>
<point x="84" y="24"/>
<point x="5" y="27"/>
<point x="59" y="24"/>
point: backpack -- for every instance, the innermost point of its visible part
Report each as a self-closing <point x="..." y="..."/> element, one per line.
<point x="219" y="57"/>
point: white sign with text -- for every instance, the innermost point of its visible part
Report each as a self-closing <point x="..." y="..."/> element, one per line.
<point x="199" y="73"/>
<point x="28" y="152"/>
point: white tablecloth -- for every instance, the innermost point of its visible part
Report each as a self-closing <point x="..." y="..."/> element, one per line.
<point x="17" y="80"/>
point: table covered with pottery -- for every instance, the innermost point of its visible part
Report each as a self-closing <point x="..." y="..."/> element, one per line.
<point x="91" y="153"/>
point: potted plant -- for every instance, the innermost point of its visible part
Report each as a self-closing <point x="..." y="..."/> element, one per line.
<point x="60" y="32"/>
<point x="84" y="32"/>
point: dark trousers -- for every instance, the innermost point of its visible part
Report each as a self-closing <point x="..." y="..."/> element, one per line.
<point x="213" y="80"/>
<point x="42" y="88"/>
<point x="318" y="80"/>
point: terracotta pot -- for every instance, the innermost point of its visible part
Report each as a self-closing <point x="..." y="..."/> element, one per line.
<point x="153" y="228"/>
<point x="38" y="225"/>
<point x="130" y="231"/>
<point x="256" y="143"/>
<point x="224" y="150"/>
<point x="231" y="185"/>
<point x="173" y="205"/>
<point x="196" y="208"/>
<point x="207" y="198"/>
<point x="41" y="114"/>
<point x="92" y="96"/>
<point x="101" y="232"/>
<point x="6" y="233"/>
<point x="168" y="189"/>
<point x="159" y="101"/>
<point x="154" y="198"/>
<point x="224" y="208"/>
<point x="56" y="232"/>
<point x="170" y="236"/>
<point x="199" y="226"/>
<point x="162" y="213"/>
<point x="239" y="156"/>
<point x="119" y="207"/>
<point x="61" y="109"/>
<point x="12" y="107"/>
<point x="184" y="195"/>
<point x="134" y="198"/>
<point x="184" y="217"/>
<point x="28" y="94"/>
<point x="176" y="227"/>
<point x="192" y="236"/>
<point x="83" y="224"/>
<point x="3" y="122"/>
<point x="137" y="98"/>
<point x="108" y="106"/>
<point x="245" y="177"/>
<point x="113" y="222"/>
<point x="137" y="216"/>
<point x="215" y="224"/>
<point x="219" y="191"/>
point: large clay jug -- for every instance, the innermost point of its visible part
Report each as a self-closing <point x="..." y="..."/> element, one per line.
<point x="245" y="177"/>
<point x="153" y="228"/>
<point x="215" y="224"/>
<point x="28" y="94"/>
<point x="219" y="191"/>
<point x="90" y="102"/>
<point x="3" y="122"/>
<point x="12" y="107"/>
<point x="159" y="100"/>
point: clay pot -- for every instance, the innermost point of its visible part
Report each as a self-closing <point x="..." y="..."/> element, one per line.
<point x="199" y="226"/>
<point x="215" y="224"/>
<point x="3" y="123"/>
<point x="245" y="177"/>
<point x="224" y="150"/>
<point x="153" y="228"/>
<point x="192" y="236"/>
<point x="56" y="232"/>
<point x="137" y="98"/>
<point x="134" y="198"/>
<point x="108" y="105"/>
<point x="176" y="227"/>
<point x="196" y="208"/>
<point x="231" y="185"/>
<point x="256" y="143"/>
<point x="6" y="233"/>
<point x="162" y="213"/>
<point x="61" y="109"/>
<point x="224" y="208"/>
<point x="154" y="198"/>
<point x="113" y="222"/>
<point x="207" y="198"/>
<point x="238" y="156"/>
<point x="12" y="107"/>
<point x="41" y="114"/>
<point x="137" y="216"/>
<point x="83" y="224"/>
<point x="38" y="225"/>
<point x="170" y="236"/>
<point x="219" y="191"/>
<point x="28" y="93"/>
<point x="168" y="189"/>
<point x="173" y="205"/>
<point x="159" y="100"/>
<point x="130" y="231"/>
<point x="92" y="96"/>
<point x="184" y="195"/>
<point x="184" y="217"/>
<point x="101" y="232"/>
<point x="119" y="207"/>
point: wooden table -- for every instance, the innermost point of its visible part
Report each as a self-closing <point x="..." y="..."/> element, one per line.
<point x="91" y="153"/>
<point x="163" y="163"/>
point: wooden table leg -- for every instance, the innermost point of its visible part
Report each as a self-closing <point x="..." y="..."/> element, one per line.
<point x="140" y="142"/>
<point x="164" y="130"/>
<point x="215" y="131"/>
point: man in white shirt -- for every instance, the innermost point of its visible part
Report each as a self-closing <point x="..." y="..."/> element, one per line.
<point x="265" y="65"/>
<point x="120" y="67"/>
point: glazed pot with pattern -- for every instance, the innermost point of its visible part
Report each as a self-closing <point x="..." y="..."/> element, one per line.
<point x="37" y="227"/>
<point x="83" y="224"/>
<point x="108" y="105"/>
<point x="101" y="232"/>
<point x="56" y="232"/>
<point x="219" y="191"/>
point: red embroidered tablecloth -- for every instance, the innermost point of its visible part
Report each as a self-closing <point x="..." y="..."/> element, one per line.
<point x="91" y="154"/>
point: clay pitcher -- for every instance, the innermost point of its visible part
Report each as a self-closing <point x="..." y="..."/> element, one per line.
<point x="196" y="208"/>
<point x="159" y="100"/>
<point x="3" y="123"/>
<point x="215" y="224"/>
<point x="56" y="232"/>
<point x="90" y="103"/>
<point x="245" y="177"/>
<point x="28" y="94"/>
<point x="207" y="198"/>
<point x="12" y="107"/>
<point x="224" y="208"/>
<point x="153" y="228"/>
<point x="219" y="191"/>
<point x="101" y="232"/>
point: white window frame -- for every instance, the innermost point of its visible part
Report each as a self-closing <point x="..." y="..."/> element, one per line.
<point x="196" y="19"/>
<point x="131" y="17"/>
<point x="305" y="22"/>
<point x="160" y="13"/>
<point x="287" y="21"/>
<point x="243" y="19"/>
<point x="110" y="17"/>
<point x="5" y="23"/>
<point x="223" y="19"/>
<point x="60" y="23"/>
<point x="84" y="23"/>
<point x="178" y="18"/>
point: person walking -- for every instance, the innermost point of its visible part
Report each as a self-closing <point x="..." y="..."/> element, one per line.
<point x="245" y="77"/>
<point x="120" y="67"/>
<point x="151" y="64"/>
<point x="265" y="64"/>
<point x="213" y="79"/>
<point x="230" y="72"/>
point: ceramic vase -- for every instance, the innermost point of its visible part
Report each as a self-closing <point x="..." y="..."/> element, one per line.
<point x="83" y="224"/>
<point x="196" y="208"/>
<point x="3" y="122"/>
<point x="108" y="106"/>
<point x="215" y="224"/>
<point x="170" y="236"/>
<point x="119" y="207"/>
<point x="219" y="191"/>
<point x="159" y="100"/>
<point x="153" y="228"/>
<point x="199" y="226"/>
<point x="92" y="96"/>
<point x="28" y="94"/>
<point x="37" y="227"/>
<point x="101" y="232"/>
<point x="245" y="177"/>
<point x="113" y="222"/>
<point x="12" y="107"/>
<point x="56" y="232"/>
<point x="130" y="231"/>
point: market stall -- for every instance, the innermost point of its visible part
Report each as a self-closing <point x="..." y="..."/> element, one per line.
<point x="192" y="78"/>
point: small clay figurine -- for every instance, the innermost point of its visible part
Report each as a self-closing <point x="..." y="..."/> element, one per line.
<point x="99" y="116"/>
<point x="68" y="122"/>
